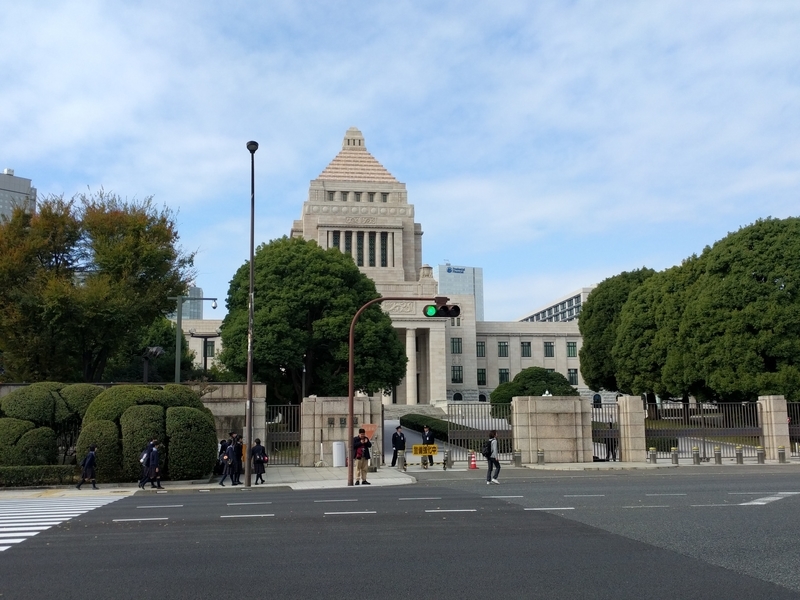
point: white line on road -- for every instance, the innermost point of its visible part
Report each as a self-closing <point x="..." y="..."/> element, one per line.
<point x="501" y="497"/>
<point x="243" y="516"/>
<point x="7" y="535"/>
<point x="162" y="506"/>
<point x="347" y="500"/>
<point x="25" y="528"/>
<point x="554" y="508"/>
<point x="14" y="540"/>
<point x="695" y="505"/>
<point x="143" y="519"/>
<point x="649" y="506"/>
<point x="749" y="493"/>
<point x="356" y="512"/>
<point x="431" y="498"/>
<point x="584" y="495"/>
<point x="762" y="501"/>
<point x="4" y="548"/>
<point x="449" y="510"/>
<point x="665" y="494"/>
<point x="246" y="503"/>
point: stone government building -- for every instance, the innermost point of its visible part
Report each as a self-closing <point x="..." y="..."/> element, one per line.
<point x="359" y="207"/>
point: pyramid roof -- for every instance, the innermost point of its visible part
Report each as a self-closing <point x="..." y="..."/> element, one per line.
<point x="354" y="163"/>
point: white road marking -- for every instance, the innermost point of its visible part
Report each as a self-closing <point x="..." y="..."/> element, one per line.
<point x="501" y="497"/>
<point x="357" y="512"/>
<point x="11" y="535"/>
<point x="20" y="529"/>
<point x="4" y="548"/>
<point x="431" y="498"/>
<point x="584" y="495"/>
<point x="649" y="506"/>
<point x="246" y="503"/>
<point x="554" y="508"/>
<point x="449" y="510"/>
<point x="162" y="506"/>
<point x="696" y="505"/>
<point x="347" y="500"/>
<point x="243" y="516"/>
<point x="762" y="501"/>
<point x="665" y="494"/>
<point x="14" y="540"/>
<point x="142" y="519"/>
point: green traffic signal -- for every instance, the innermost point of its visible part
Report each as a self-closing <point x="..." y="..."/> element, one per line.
<point x="430" y="310"/>
<point x="445" y="310"/>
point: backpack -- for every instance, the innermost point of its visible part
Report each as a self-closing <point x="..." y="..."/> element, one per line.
<point x="487" y="448"/>
<point x="143" y="459"/>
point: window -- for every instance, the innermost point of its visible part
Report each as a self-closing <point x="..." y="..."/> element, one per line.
<point x="344" y="196"/>
<point x="384" y="249"/>
<point x="371" y="248"/>
<point x="549" y="349"/>
<point x="481" y="349"/>
<point x="384" y="197"/>
<point x="348" y="242"/>
<point x="455" y="322"/>
<point x="572" y="349"/>
<point x="502" y="349"/>
<point x="481" y="376"/>
<point x="503" y="375"/>
<point x="360" y="248"/>
<point x="357" y="196"/>
<point x="550" y="370"/>
<point x="457" y="374"/>
<point x="572" y="375"/>
<point x="481" y="398"/>
<point x="336" y="236"/>
<point x="525" y="348"/>
<point x="371" y="196"/>
<point x="457" y="397"/>
<point x="330" y="196"/>
<point x="455" y="345"/>
<point x="209" y="348"/>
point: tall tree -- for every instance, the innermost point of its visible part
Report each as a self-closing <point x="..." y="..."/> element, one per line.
<point x="305" y="299"/>
<point x="598" y="324"/>
<point x="80" y="279"/>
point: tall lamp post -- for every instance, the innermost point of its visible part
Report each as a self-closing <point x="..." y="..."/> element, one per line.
<point x="179" y="331"/>
<point x="248" y="419"/>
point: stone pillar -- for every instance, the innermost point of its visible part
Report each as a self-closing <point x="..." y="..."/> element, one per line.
<point x="437" y="364"/>
<point x="411" y="367"/>
<point x="775" y="421"/>
<point x="559" y="425"/>
<point x="632" y="445"/>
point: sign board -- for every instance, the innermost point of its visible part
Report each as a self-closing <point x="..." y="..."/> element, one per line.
<point x="424" y="450"/>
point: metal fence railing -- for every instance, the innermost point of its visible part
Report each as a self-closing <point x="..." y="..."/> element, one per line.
<point x="468" y="427"/>
<point x="283" y="434"/>
<point x="605" y="431"/>
<point x="793" y="409"/>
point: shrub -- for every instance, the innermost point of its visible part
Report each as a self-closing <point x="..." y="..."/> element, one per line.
<point x="139" y="425"/>
<point x="417" y="422"/>
<point x="183" y="396"/>
<point x="192" y="443"/>
<point x="79" y="396"/>
<point x="113" y="402"/>
<point x="38" y="475"/>
<point x="35" y="402"/>
<point x="11" y="430"/>
<point x="104" y="433"/>
<point x="37" y="447"/>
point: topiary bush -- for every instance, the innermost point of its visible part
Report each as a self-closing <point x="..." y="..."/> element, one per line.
<point x="11" y="430"/>
<point x="113" y="402"/>
<point x="79" y="396"/>
<point x="192" y="443"/>
<point x="38" y="475"/>
<point x="184" y="396"/>
<point x="37" y="447"/>
<point x="35" y="402"/>
<point x="105" y="435"/>
<point x="139" y="425"/>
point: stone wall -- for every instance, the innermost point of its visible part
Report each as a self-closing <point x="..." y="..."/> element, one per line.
<point x="559" y="425"/>
<point x="227" y="403"/>
<point x="325" y="420"/>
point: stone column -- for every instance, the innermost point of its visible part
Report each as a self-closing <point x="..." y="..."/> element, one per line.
<point x="437" y="364"/>
<point x="411" y="367"/>
<point x="632" y="444"/>
<point x="775" y="421"/>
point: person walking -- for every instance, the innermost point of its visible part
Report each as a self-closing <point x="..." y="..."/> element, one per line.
<point x="145" y="461"/>
<point x="88" y="468"/>
<point x="427" y="440"/>
<point x="258" y="454"/>
<point x="220" y="468"/>
<point x="238" y="455"/>
<point x="361" y="446"/>
<point x="153" y="470"/>
<point x="398" y="445"/>
<point x="611" y="444"/>
<point x="493" y="459"/>
<point x="228" y="464"/>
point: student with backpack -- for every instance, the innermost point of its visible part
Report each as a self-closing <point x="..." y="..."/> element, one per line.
<point x="144" y="460"/>
<point x="153" y="470"/>
<point x="258" y="454"/>
<point x="88" y="465"/>
<point x="490" y="451"/>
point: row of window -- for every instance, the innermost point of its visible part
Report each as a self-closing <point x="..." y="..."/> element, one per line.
<point x="372" y="242"/>
<point x="357" y="196"/>
<point x="525" y="349"/>
<point x="457" y="375"/>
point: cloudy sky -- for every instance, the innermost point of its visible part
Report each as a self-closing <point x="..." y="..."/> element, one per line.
<point x="554" y="144"/>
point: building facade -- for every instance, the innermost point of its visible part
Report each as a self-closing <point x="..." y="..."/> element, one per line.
<point x="14" y="192"/>
<point x="463" y="281"/>
<point x="567" y="308"/>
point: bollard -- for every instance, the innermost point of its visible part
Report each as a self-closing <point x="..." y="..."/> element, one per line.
<point x="653" y="458"/>
<point x="760" y="454"/>
<point x="717" y="455"/>
<point x="517" y="458"/>
<point x="695" y="455"/>
<point x="674" y="452"/>
<point x="781" y="454"/>
<point x="401" y="460"/>
<point x="739" y="457"/>
<point x="540" y="457"/>
<point x="445" y="460"/>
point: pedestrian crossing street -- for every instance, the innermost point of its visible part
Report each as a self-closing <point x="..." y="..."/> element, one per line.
<point x="25" y="518"/>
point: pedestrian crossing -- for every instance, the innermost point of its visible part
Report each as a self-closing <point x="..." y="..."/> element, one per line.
<point x="25" y="518"/>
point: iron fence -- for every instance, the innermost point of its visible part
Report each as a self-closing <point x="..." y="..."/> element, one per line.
<point x="793" y="409"/>
<point x="605" y="431"/>
<point x="283" y="434"/>
<point x="468" y="426"/>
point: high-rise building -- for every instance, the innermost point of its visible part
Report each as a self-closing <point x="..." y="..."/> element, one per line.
<point x="463" y="281"/>
<point x="564" y="309"/>
<point x="190" y="309"/>
<point x="15" y="191"/>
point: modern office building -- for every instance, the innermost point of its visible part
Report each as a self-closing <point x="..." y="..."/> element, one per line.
<point x="15" y="191"/>
<point x="463" y="281"/>
<point x="192" y="306"/>
<point x="564" y="309"/>
<point x="359" y="207"/>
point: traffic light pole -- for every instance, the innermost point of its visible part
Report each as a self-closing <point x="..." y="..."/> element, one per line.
<point x="439" y="300"/>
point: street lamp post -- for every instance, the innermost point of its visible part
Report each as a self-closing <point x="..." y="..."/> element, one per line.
<point x="179" y="331"/>
<point x="248" y="424"/>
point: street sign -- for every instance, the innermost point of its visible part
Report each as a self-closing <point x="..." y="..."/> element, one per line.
<point x="424" y="450"/>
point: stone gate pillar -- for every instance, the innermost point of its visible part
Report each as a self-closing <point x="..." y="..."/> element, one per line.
<point x="632" y="445"/>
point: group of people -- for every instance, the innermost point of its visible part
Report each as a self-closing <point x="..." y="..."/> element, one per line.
<point x="231" y="459"/>
<point x="151" y="471"/>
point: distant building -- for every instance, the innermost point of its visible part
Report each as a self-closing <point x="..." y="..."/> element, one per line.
<point x="463" y="281"/>
<point x="191" y="309"/>
<point x="564" y="309"/>
<point x="15" y="191"/>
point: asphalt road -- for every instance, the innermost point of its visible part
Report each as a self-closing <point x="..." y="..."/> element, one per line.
<point x="678" y="534"/>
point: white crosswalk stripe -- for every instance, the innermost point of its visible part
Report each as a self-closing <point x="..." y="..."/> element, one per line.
<point x="23" y="519"/>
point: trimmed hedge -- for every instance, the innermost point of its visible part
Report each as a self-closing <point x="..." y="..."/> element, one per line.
<point x="139" y="425"/>
<point x="112" y="403"/>
<point x="11" y="430"/>
<point x="417" y="422"/>
<point x="109" y="454"/>
<point x="37" y="403"/>
<point x="79" y="396"/>
<point x="37" y="447"/>
<point x="192" y="442"/>
<point x="184" y="395"/>
<point x="38" y="475"/>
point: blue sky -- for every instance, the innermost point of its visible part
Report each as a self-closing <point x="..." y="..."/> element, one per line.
<point x="554" y="144"/>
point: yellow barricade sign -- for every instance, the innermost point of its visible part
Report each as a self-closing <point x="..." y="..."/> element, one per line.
<point x="423" y="450"/>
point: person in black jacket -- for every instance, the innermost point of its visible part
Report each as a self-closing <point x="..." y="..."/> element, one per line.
<point x="153" y="470"/>
<point x="88" y="466"/>
<point x="427" y="440"/>
<point x="229" y="462"/>
<point x="258" y="454"/>
<point x="145" y="461"/>
<point x="361" y="446"/>
<point x="238" y="454"/>
<point x="398" y="445"/>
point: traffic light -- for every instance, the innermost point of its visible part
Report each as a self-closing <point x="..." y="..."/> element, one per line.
<point x="441" y="310"/>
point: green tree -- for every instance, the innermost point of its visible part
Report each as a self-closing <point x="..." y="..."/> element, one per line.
<point x="305" y="299"/>
<point x="80" y="279"/>
<point x="533" y="381"/>
<point x="598" y="324"/>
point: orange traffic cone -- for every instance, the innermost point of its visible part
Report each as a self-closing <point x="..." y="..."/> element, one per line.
<point x="473" y="464"/>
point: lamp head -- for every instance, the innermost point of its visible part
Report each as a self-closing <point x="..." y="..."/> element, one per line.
<point x="214" y="304"/>
<point x="252" y="146"/>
